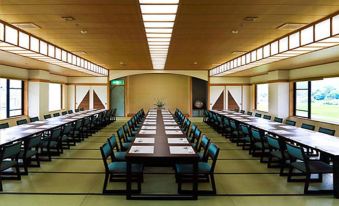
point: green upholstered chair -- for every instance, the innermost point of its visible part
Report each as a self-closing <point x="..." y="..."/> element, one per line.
<point x="63" y="112"/>
<point x="327" y="131"/>
<point x="191" y="133"/>
<point x="277" y="119"/>
<point x="34" y="119"/>
<point x="4" y="125"/>
<point x="290" y="122"/>
<point x="77" y="110"/>
<point x="184" y="172"/>
<point x="227" y="130"/>
<point x="56" y="114"/>
<point x="67" y="138"/>
<point x="268" y="117"/>
<point x="242" y="111"/>
<point x="51" y="145"/>
<point x="21" y="122"/>
<point x="124" y="144"/>
<point x="306" y="166"/>
<point x="235" y="134"/>
<point x="249" y="113"/>
<point x="203" y="147"/>
<point x="257" y="115"/>
<point x="116" y="171"/>
<point x="245" y="138"/>
<point x="196" y="138"/>
<point x="47" y="116"/>
<point x="30" y="152"/>
<point x="117" y="155"/>
<point x="70" y="111"/>
<point x="308" y="126"/>
<point x="260" y="145"/>
<point x="128" y="135"/>
<point x="278" y="153"/>
<point x="9" y="159"/>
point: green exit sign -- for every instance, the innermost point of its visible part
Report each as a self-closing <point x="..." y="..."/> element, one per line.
<point x="118" y="82"/>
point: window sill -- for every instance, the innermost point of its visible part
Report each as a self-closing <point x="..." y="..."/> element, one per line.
<point x="315" y="120"/>
<point x="11" y="118"/>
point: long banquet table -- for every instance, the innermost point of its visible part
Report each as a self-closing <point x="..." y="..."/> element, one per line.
<point x="20" y="132"/>
<point x="160" y="141"/>
<point x="323" y="143"/>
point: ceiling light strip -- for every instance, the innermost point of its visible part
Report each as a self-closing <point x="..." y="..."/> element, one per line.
<point x="17" y="41"/>
<point x="319" y="35"/>
<point x="159" y="17"/>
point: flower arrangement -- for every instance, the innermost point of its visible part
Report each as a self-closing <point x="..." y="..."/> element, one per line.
<point x="159" y="103"/>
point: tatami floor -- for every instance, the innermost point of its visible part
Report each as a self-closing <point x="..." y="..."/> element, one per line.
<point x="76" y="178"/>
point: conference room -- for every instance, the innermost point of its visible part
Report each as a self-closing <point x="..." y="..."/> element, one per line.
<point x="187" y="102"/>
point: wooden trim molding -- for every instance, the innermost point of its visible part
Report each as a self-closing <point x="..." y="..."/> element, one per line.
<point x="46" y="81"/>
<point x="231" y="84"/>
<point x="87" y="84"/>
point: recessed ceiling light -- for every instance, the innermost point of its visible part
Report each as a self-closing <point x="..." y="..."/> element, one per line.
<point x="158" y="35"/>
<point x="159" y="24"/>
<point x="158" y="39"/>
<point x="79" y="52"/>
<point x="159" y="1"/>
<point x="83" y="31"/>
<point x="195" y="63"/>
<point x="235" y="31"/>
<point x="159" y="9"/>
<point x="26" y="25"/>
<point x="158" y="43"/>
<point x="68" y="18"/>
<point x="159" y="30"/>
<point x="154" y="17"/>
<point x="250" y="18"/>
<point x="238" y="52"/>
<point x="291" y="26"/>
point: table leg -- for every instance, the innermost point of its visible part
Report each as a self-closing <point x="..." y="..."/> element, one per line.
<point x="129" y="181"/>
<point x="195" y="181"/>
<point x="336" y="176"/>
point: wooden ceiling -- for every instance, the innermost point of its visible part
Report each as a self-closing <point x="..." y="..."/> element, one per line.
<point x="202" y="31"/>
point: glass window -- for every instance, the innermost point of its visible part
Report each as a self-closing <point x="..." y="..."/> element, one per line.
<point x="3" y="98"/>
<point x="34" y="44"/>
<point x="318" y="100"/>
<point x="43" y="47"/>
<point x="11" y="35"/>
<point x="2" y="31"/>
<point x="54" y="99"/>
<point x="325" y="100"/>
<point x="302" y="99"/>
<point x="11" y="98"/>
<point x="262" y="97"/>
<point x="323" y="29"/>
<point x="335" y="25"/>
<point x="283" y="44"/>
<point x="23" y="40"/>
<point x="307" y="35"/>
<point x="294" y="40"/>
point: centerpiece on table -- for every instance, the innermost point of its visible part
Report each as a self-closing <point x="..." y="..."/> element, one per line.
<point x="160" y="104"/>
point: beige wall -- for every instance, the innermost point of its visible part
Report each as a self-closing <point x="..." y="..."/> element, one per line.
<point x="201" y="74"/>
<point x="145" y="89"/>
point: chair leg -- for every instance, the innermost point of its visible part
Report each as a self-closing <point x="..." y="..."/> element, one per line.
<point x="289" y="176"/>
<point x="307" y="182"/>
<point x="1" y="189"/>
<point x="214" y="189"/>
<point x="105" y="183"/>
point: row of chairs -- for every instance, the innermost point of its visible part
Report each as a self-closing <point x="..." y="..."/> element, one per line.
<point x="35" y="119"/>
<point x="208" y="154"/>
<point x="42" y="146"/>
<point x="274" y="150"/>
<point x="113" y="154"/>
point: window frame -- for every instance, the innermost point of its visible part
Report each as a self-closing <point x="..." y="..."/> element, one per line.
<point x="309" y="102"/>
<point x="256" y="97"/>
<point x="8" y="103"/>
<point x="309" y="93"/>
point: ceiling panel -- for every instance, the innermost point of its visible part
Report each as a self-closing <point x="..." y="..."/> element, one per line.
<point x="202" y="36"/>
